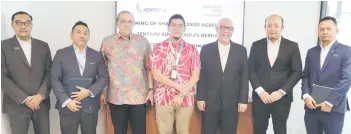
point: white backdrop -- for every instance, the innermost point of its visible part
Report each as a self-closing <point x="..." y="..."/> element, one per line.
<point x="152" y="17"/>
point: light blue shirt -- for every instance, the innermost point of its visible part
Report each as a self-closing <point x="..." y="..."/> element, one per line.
<point x="81" y="58"/>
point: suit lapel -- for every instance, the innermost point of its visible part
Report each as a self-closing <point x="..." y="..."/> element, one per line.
<point x="87" y="62"/>
<point x="74" y="61"/>
<point x="318" y="57"/>
<point x="35" y="54"/>
<point x="217" y="58"/>
<point x="230" y="58"/>
<point x="329" y="55"/>
<point x="19" y="51"/>
<point x="280" y="51"/>
<point x="265" y="53"/>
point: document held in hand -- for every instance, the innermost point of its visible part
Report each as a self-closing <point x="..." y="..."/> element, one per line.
<point x="320" y="93"/>
<point x="81" y="82"/>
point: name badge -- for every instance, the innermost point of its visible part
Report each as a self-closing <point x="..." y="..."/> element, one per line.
<point x="173" y="74"/>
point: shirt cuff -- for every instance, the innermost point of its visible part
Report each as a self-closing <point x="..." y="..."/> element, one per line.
<point x="282" y="91"/>
<point x="64" y="104"/>
<point x="331" y="105"/>
<point x="92" y="95"/>
<point x="25" y="100"/>
<point x="259" y="90"/>
<point x="304" y="96"/>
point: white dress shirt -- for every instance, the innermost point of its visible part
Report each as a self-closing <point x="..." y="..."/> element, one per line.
<point x="272" y="52"/>
<point x="81" y="59"/>
<point x="223" y="54"/>
<point x="323" y="56"/>
<point x="27" y="49"/>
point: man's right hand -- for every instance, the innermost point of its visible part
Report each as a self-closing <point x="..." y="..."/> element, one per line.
<point x="30" y="103"/>
<point x="310" y="102"/>
<point x="74" y="105"/>
<point x="265" y="97"/>
<point x="201" y="105"/>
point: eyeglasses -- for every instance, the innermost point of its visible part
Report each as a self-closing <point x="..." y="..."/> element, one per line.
<point x="20" y="23"/>
<point x="225" y="27"/>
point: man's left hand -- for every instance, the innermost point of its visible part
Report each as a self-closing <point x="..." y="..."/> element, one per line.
<point x="324" y="107"/>
<point x="35" y="101"/>
<point x="275" y="96"/>
<point x="83" y="93"/>
<point x="177" y="100"/>
<point x="242" y="107"/>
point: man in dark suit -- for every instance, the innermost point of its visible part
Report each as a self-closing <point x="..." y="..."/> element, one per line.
<point x="328" y="65"/>
<point x="71" y="64"/>
<point x="222" y="91"/>
<point x="25" y="69"/>
<point x="275" y="68"/>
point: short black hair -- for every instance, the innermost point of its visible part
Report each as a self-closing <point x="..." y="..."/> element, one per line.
<point x="19" y="13"/>
<point x="328" y="18"/>
<point x="80" y="23"/>
<point x="176" y="16"/>
<point x="265" y="21"/>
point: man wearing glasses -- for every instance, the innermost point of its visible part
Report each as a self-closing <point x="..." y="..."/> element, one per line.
<point x="275" y="68"/>
<point x="25" y="68"/>
<point x="224" y="85"/>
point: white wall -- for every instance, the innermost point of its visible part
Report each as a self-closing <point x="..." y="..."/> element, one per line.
<point x="54" y="20"/>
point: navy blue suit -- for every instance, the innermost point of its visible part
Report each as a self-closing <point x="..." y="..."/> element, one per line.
<point x="65" y="66"/>
<point x="335" y="73"/>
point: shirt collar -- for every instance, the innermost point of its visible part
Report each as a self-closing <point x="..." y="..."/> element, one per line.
<point x="22" y="41"/>
<point x="278" y="41"/>
<point x="328" y="46"/>
<point x="76" y="49"/>
<point x="119" y="36"/>
<point x="181" y="41"/>
<point x="220" y="45"/>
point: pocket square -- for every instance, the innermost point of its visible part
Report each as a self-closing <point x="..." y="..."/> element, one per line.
<point x="335" y="55"/>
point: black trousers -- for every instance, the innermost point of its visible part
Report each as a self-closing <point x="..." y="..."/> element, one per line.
<point x="120" y="115"/>
<point x="224" y="119"/>
<point x="69" y="122"/>
<point x="279" y="111"/>
<point x="19" y="121"/>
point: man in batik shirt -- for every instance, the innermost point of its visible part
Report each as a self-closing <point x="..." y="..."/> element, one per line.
<point x="127" y="57"/>
<point x="175" y="66"/>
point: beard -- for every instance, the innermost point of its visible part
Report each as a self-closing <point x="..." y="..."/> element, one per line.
<point x="176" y="38"/>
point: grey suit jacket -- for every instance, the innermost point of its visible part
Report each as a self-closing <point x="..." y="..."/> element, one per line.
<point x="65" y="66"/>
<point x="19" y="80"/>
<point x="231" y="86"/>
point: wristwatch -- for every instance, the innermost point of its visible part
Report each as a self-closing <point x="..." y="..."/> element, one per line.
<point x="151" y="89"/>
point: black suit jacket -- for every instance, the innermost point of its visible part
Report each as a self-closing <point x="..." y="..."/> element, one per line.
<point x="19" y="79"/>
<point x="229" y="87"/>
<point x="284" y="74"/>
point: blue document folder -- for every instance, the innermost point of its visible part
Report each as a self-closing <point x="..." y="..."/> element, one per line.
<point x="84" y="83"/>
<point x="320" y="93"/>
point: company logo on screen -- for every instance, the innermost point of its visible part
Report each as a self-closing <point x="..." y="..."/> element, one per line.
<point x="212" y="10"/>
<point x="149" y="9"/>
